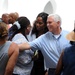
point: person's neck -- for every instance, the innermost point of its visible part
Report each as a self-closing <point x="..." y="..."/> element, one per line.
<point x="40" y="33"/>
<point x="2" y="41"/>
<point x="58" y="31"/>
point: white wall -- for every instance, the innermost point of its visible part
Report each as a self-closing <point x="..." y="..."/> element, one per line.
<point x="67" y="11"/>
<point x="3" y="6"/>
<point x="30" y="8"/>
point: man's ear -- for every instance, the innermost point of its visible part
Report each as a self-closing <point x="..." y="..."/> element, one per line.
<point x="58" y="22"/>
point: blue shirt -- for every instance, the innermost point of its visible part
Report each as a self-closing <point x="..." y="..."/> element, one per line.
<point x="47" y="44"/>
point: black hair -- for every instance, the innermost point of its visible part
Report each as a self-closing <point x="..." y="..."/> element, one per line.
<point x="24" y="23"/>
<point x="44" y="16"/>
<point x="74" y="30"/>
<point x="72" y="42"/>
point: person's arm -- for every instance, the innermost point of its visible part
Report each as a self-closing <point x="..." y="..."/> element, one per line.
<point x="59" y="67"/>
<point x="13" y="55"/>
<point x="24" y="46"/>
<point x="21" y="41"/>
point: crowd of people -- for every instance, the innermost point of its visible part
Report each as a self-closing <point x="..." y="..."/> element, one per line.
<point x="43" y="48"/>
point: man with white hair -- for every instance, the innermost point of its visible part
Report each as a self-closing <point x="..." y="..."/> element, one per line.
<point x="51" y="43"/>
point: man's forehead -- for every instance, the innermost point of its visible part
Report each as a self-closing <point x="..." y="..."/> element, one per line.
<point x="50" y="18"/>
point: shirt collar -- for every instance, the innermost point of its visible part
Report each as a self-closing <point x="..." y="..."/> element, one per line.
<point x="57" y="36"/>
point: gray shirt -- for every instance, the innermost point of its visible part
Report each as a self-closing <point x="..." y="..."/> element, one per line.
<point x="4" y="56"/>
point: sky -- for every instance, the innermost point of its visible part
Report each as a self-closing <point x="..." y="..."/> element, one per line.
<point x="31" y="8"/>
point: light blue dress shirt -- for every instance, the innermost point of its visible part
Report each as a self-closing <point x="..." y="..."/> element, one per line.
<point x="47" y="43"/>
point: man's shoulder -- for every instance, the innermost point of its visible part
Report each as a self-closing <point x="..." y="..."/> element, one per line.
<point x="65" y="32"/>
<point x="45" y="36"/>
<point x="47" y="33"/>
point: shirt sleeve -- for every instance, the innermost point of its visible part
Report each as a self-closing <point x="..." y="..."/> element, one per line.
<point x="36" y="44"/>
